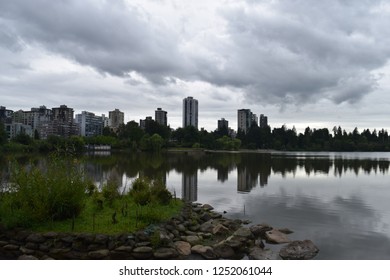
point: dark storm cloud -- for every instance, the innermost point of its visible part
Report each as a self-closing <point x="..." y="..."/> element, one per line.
<point x="299" y="51"/>
<point x="276" y="52"/>
<point x="106" y="35"/>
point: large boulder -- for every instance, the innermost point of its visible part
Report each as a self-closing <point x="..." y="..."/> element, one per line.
<point x="260" y="230"/>
<point x="224" y="251"/>
<point x="183" y="248"/>
<point x="205" y="251"/>
<point x="299" y="250"/>
<point x="276" y="237"/>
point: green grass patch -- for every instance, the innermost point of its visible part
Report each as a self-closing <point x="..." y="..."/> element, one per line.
<point x="129" y="217"/>
<point x="58" y="197"/>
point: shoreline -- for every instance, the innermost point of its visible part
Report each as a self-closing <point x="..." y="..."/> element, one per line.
<point x="196" y="233"/>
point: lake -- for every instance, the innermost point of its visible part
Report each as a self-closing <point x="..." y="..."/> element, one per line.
<point x="340" y="201"/>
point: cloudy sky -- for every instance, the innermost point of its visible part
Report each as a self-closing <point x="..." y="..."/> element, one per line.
<point x="300" y="62"/>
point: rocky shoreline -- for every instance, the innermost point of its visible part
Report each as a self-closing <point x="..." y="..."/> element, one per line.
<point x="197" y="232"/>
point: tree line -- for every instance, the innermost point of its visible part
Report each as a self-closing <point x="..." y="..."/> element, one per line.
<point x="154" y="137"/>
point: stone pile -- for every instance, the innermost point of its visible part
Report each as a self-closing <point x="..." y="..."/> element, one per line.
<point x="198" y="232"/>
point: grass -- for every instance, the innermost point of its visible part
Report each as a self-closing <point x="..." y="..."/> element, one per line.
<point x="128" y="219"/>
<point x="58" y="197"/>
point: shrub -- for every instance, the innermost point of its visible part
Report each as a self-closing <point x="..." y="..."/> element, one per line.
<point x="141" y="192"/>
<point x="145" y="192"/>
<point x="110" y="192"/>
<point x="35" y="194"/>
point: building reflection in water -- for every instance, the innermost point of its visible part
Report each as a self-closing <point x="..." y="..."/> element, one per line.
<point x="189" y="187"/>
<point x="245" y="181"/>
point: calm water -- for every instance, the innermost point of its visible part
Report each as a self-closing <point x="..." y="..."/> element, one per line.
<point x="341" y="201"/>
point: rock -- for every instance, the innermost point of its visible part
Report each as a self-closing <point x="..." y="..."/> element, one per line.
<point x="205" y="217"/>
<point x="67" y="239"/>
<point x="188" y="232"/>
<point x="181" y="228"/>
<point x="26" y="251"/>
<point x="50" y="234"/>
<point x="27" y="257"/>
<point x="21" y="235"/>
<point x="246" y="222"/>
<point x="143" y="244"/>
<point x="86" y="237"/>
<point x="35" y="238"/>
<point x="165" y="253"/>
<point x="3" y="243"/>
<point x="98" y="255"/>
<point x="32" y="246"/>
<point x="299" y="250"/>
<point x="234" y="243"/>
<point x="183" y="248"/>
<point x="285" y="230"/>
<point x="220" y="230"/>
<point x="260" y="230"/>
<point x="44" y="247"/>
<point x="101" y="239"/>
<point x="164" y="237"/>
<point x="142" y="253"/>
<point x="206" y="235"/>
<point x="215" y="215"/>
<point x="125" y="249"/>
<point x="276" y="237"/>
<point x="257" y="253"/>
<point x="207" y="207"/>
<point x="11" y="247"/>
<point x="205" y="251"/>
<point x="192" y="239"/>
<point x="243" y="232"/>
<point x="232" y="225"/>
<point x="224" y="251"/>
<point x="142" y="236"/>
<point x="194" y="228"/>
<point x="197" y="210"/>
<point x="207" y="226"/>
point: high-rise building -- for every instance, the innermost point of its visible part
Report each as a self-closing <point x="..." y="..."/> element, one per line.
<point x="263" y="121"/>
<point x="190" y="112"/>
<point x="116" y="118"/>
<point x="244" y="120"/>
<point x="160" y="117"/>
<point x="254" y="119"/>
<point x="62" y="123"/>
<point x="63" y="114"/>
<point x="37" y="116"/>
<point x="223" y="124"/>
<point x="144" y="123"/>
<point x="5" y="115"/>
<point x="89" y="124"/>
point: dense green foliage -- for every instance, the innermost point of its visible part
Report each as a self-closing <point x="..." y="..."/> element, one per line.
<point x="155" y="137"/>
<point x="55" y="195"/>
<point x="37" y="194"/>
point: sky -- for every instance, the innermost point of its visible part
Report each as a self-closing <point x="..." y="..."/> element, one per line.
<point x="300" y="62"/>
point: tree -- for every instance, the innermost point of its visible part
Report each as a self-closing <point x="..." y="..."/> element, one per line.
<point x="156" y="142"/>
<point x="131" y="133"/>
<point x="3" y="134"/>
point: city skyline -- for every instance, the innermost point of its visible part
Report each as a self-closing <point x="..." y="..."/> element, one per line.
<point x="320" y="65"/>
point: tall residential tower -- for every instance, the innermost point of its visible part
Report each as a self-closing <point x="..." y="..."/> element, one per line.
<point x="190" y="112"/>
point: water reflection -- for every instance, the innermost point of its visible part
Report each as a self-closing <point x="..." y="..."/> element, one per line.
<point x="338" y="200"/>
<point x="253" y="170"/>
<point x="189" y="190"/>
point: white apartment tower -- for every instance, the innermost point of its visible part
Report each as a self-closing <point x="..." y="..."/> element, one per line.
<point x="244" y="120"/>
<point x="190" y="112"/>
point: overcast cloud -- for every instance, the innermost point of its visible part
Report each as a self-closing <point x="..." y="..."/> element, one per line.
<point x="302" y="62"/>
